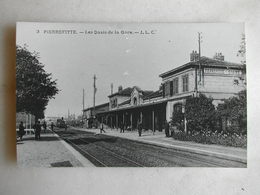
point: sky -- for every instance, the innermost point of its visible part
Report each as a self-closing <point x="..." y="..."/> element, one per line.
<point x="119" y="57"/>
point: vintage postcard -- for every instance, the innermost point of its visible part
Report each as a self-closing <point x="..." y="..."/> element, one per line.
<point x="131" y="95"/>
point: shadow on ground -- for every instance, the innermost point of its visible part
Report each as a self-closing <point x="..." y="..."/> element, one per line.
<point x="62" y="164"/>
<point x="43" y="138"/>
<point x="89" y="140"/>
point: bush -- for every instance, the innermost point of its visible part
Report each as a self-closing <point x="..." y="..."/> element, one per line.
<point x="177" y="120"/>
<point x="200" y="114"/>
<point x="225" y="126"/>
<point x="234" y="112"/>
<point x="209" y="137"/>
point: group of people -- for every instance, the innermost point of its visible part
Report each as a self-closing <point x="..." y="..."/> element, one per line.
<point x="124" y="126"/>
<point x="168" y="131"/>
<point x="37" y="129"/>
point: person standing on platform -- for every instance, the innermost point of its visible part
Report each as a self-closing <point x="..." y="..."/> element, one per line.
<point x="167" y="128"/>
<point x="37" y="130"/>
<point x="102" y="128"/>
<point x="21" y="131"/>
<point x="44" y="126"/>
<point x="52" y="126"/>
<point x="140" y="127"/>
<point x="123" y="127"/>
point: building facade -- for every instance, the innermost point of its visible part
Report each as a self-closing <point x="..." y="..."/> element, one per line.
<point x="90" y="114"/>
<point x="212" y="77"/>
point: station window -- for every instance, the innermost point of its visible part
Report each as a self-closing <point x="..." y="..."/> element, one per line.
<point x="175" y="86"/>
<point x="135" y="101"/>
<point x="177" y="107"/>
<point x="167" y="88"/>
<point x="185" y="83"/>
<point x="114" y="103"/>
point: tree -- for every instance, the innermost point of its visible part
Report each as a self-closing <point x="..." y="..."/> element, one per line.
<point x="34" y="87"/>
<point x="178" y="118"/>
<point x="200" y="114"/>
<point x="242" y="53"/>
<point x="234" y="110"/>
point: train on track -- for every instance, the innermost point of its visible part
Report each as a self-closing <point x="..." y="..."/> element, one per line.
<point x="60" y="123"/>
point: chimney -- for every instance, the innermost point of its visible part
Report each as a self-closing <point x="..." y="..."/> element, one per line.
<point x="194" y="56"/>
<point x="111" y="87"/>
<point x="120" y="88"/>
<point x="218" y="56"/>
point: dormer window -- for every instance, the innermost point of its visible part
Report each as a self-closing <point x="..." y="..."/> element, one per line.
<point x="135" y="101"/>
<point x="114" y="103"/>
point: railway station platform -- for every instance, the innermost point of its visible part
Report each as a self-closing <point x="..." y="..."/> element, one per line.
<point x="50" y="151"/>
<point x="159" y="139"/>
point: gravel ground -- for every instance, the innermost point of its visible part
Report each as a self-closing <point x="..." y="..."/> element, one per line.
<point x="159" y="138"/>
<point x="144" y="154"/>
<point x="48" y="152"/>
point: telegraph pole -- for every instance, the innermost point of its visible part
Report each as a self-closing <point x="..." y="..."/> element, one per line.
<point x="111" y="86"/>
<point x="199" y="40"/>
<point x="83" y="105"/>
<point x="94" y="97"/>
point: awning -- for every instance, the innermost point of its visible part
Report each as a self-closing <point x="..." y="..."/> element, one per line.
<point x="135" y="107"/>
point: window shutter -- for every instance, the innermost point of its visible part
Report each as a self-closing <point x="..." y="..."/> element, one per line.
<point x="171" y="88"/>
<point x="167" y="88"/>
<point x="185" y="83"/>
<point x="163" y="89"/>
<point x="175" y="86"/>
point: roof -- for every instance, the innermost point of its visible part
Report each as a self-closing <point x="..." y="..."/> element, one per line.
<point x="147" y="92"/>
<point x="97" y="106"/>
<point x="155" y="94"/>
<point x="125" y="102"/>
<point x="144" y="92"/>
<point x="205" y="61"/>
<point x="124" y="92"/>
<point x="128" y="91"/>
<point x="164" y="101"/>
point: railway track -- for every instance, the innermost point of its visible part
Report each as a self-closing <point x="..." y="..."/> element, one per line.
<point x="106" y="151"/>
<point x="99" y="155"/>
<point x="186" y="156"/>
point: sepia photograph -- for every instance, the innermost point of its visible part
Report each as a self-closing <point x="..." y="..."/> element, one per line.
<point x="131" y="95"/>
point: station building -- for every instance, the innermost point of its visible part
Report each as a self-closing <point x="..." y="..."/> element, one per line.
<point x="90" y="113"/>
<point x="213" y="77"/>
